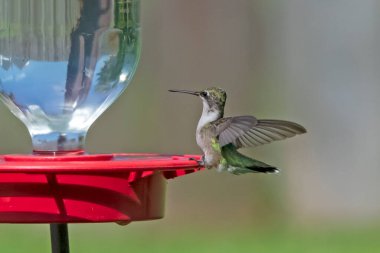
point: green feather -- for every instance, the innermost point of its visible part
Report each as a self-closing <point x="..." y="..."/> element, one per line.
<point x="247" y="164"/>
<point x="215" y="145"/>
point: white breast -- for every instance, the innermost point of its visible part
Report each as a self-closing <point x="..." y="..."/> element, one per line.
<point x="208" y="116"/>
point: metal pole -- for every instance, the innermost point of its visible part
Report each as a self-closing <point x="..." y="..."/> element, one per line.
<point x="59" y="238"/>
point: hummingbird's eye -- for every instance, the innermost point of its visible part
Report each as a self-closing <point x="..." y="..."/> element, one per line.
<point x="204" y="94"/>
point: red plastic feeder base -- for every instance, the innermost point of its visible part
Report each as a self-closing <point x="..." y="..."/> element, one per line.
<point x="87" y="188"/>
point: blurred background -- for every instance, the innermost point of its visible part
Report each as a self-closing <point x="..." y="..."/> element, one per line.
<point x="312" y="62"/>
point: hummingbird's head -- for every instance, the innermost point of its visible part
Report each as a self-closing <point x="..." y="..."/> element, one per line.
<point x="213" y="98"/>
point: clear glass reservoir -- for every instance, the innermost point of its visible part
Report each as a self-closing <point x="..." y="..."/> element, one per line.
<point x="63" y="63"/>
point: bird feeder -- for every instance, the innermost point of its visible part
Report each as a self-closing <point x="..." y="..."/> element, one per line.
<point x="62" y="64"/>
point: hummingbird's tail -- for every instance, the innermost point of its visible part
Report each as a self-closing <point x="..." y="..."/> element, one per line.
<point x="264" y="169"/>
<point x="240" y="164"/>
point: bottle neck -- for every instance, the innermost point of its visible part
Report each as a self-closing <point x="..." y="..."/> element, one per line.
<point x="59" y="143"/>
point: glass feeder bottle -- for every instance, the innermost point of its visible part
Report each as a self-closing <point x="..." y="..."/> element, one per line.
<point x="63" y="63"/>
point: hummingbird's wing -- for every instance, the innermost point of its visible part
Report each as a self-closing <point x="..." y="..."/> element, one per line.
<point x="247" y="131"/>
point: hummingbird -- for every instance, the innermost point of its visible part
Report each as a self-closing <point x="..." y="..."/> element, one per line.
<point x="220" y="137"/>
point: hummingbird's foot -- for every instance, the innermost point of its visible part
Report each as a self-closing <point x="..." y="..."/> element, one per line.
<point x="201" y="163"/>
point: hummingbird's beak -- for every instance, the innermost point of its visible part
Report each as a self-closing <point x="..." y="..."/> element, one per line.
<point x="195" y="93"/>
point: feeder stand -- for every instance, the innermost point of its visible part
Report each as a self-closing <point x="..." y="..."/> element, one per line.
<point x="59" y="238"/>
